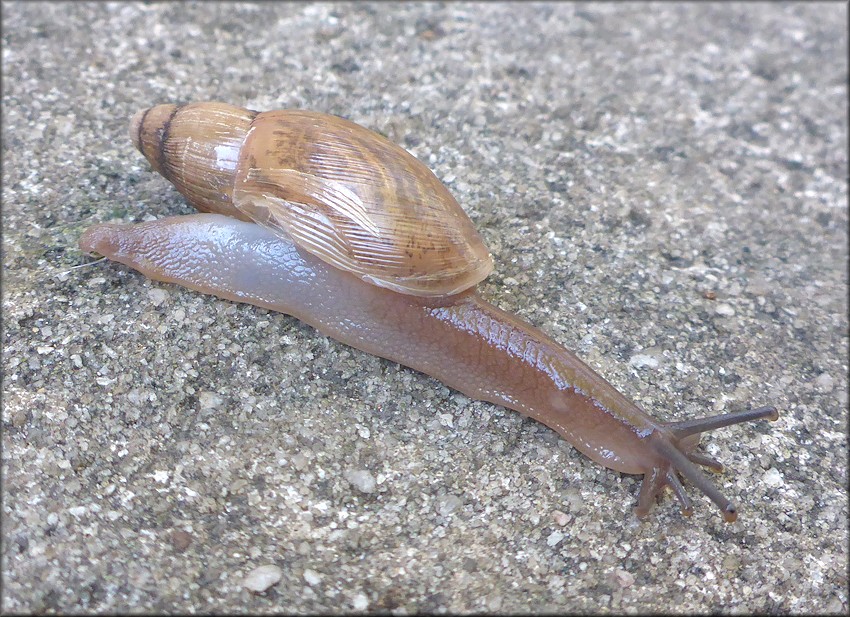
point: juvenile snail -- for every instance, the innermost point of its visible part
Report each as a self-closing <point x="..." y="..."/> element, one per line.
<point x="317" y="217"/>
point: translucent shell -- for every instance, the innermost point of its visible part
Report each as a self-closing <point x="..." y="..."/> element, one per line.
<point x="358" y="202"/>
<point x="340" y="191"/>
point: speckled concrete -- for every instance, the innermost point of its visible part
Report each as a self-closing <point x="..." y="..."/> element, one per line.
<point x="663" y="188"/>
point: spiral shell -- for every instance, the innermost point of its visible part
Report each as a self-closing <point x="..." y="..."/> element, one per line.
<point x="338" y="190"/>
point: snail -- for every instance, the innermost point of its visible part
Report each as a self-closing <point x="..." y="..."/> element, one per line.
<point x="317" y="217"/>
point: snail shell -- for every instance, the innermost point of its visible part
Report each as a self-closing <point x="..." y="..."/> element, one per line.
<point x="338" y="190"/>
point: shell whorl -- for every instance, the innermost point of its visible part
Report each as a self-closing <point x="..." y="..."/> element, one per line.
<point x="196" y="148"/>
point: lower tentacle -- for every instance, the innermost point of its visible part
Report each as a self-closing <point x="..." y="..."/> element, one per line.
<point x="675" y="444"/>
<point x="676" y="484"/>
<point x="652" y="485"/>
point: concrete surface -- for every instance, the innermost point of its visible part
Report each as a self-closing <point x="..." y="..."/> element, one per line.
<point x="663" y="188"/>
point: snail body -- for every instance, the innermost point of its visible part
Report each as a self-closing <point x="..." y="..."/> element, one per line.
<point x="319" y="218"/>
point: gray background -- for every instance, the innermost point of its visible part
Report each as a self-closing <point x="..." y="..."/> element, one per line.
<point x="663" y="188"/>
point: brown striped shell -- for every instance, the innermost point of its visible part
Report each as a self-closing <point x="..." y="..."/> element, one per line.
<point x="338" y="190"/>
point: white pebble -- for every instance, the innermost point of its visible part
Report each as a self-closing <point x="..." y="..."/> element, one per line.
<point x="312" y="577"/>
<point x="725" y="310"/>
<point x="825" y="382"/>
<point x="494" y="602"/>
<point x="448" y="504"/>
<point x="623" y="578"/>
<point x="446" y="419"/>
<point x="772" y="477"/>
<point x="209" y="400"/>
<point x="360" y="602"/>
<point x="300" y="461"/>
<point x="260" y="579"/>
<point x="554" y="538"/>
<point x="640" y="360"/>
<point x="362" y="480"/>
<point x="157" y="296"/>
<point x="560" y="518"/>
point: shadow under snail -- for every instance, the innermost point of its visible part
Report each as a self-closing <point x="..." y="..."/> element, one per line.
<point x="317" y="217"/>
